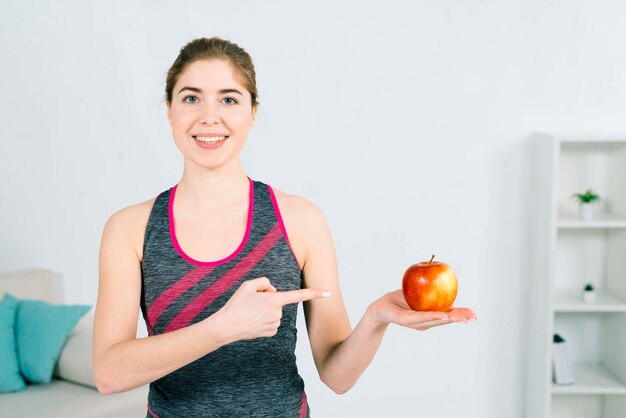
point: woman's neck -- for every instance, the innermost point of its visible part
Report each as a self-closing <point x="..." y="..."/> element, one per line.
<point x="203" y="189"/>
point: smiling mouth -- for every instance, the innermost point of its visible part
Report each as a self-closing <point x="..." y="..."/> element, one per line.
<point x="210" y="139"/>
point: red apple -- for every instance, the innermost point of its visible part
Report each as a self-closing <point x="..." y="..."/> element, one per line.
<point x="429" y="286"/>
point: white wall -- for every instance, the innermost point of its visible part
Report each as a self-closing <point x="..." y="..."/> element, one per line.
<point x="406" y="123"/>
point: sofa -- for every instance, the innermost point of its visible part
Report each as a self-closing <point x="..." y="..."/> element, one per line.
<point x="72" y="391"/>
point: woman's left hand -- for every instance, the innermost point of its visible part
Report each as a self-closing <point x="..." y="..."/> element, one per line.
<point x="392" y="308"/>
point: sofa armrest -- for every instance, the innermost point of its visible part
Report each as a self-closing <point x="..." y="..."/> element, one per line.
<point x="75" y="361"/>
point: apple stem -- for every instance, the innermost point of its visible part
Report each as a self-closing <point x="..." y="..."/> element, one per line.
<point x="431" y="259"/>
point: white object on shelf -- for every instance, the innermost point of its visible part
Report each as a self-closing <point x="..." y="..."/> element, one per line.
<point x="563" y="372"/>
<point x="589" y="296"/>
<point x="586" y="211"/>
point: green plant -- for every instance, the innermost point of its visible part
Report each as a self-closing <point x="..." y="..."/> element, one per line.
<point x="587" y="197"/>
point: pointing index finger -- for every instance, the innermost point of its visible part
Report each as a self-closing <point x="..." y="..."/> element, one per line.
<point x="301" y="295"/>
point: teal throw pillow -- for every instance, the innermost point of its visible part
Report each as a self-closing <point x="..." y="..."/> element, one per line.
<point x="10" y="378"/>
<point x="42" y="328"/>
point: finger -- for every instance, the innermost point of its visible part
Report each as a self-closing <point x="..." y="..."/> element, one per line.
<point x="260" y="284"/>
<point x="270" y="288"/>
<point x="462" y="314"/>
<point x="301" y="295"/>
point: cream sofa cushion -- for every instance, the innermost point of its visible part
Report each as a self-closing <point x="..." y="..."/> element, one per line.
<point x="33" y="283"/>
<point x="75" y="361"/>
<point x="62" y="399"/>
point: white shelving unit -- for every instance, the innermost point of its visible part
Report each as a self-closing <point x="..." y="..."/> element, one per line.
<point x="568" y="253"/>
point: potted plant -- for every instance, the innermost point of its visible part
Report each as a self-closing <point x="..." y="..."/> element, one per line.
<point x="586" y="201"/>
<point x="589" y="293"/>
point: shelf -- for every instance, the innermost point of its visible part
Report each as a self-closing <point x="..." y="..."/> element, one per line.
<point x="601" y="220"/>
<point x="569" y="301"/>
<point x="597" y="141"/>
<point x="568" y="253"/>
<point x="609" y="142"/>
<point x="591" y="379"/>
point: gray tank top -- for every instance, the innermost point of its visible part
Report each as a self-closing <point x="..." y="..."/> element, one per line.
<point x="249" y="378"/>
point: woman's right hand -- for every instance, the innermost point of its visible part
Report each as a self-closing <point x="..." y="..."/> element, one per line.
<point x="256" y="308"/>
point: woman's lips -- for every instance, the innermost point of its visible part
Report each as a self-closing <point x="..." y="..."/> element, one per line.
<point x="210" y="142"/>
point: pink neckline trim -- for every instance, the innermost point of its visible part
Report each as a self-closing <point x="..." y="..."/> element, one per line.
<point x="281" y="223"/>
<point x="184" y="255"/>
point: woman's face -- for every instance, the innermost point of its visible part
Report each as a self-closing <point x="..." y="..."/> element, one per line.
<point x="207" y="105"/>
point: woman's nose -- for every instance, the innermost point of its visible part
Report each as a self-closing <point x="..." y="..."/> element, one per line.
<point x="210" y="114"/>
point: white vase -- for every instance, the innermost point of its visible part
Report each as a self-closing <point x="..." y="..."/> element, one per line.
<point x="586" y="211"/>
<point x="589" y="296"/>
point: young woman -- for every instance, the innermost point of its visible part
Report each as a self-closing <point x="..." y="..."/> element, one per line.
<point x="218" y="263"/>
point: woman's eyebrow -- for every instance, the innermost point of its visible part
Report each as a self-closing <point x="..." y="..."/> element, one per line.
<point x="224" y="91"/>
<point x="197" y="90"/>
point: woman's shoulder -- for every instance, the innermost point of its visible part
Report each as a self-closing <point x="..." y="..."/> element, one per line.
<point x="135" y="213"/>
<point x="294" y="204"/>
<point x="134" y="220"/>
<point x="298" y="213"/>
<point x="304" y="223"/>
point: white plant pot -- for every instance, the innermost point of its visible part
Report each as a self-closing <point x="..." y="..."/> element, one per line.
<point x="586" y="211"/>
<point x="589" y="296"/>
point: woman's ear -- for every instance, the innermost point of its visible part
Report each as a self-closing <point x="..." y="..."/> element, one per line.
<point x="254" y="110"/>
<point x="169" y="112"/>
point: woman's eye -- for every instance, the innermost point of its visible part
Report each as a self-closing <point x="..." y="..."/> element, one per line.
<point x="190" y="97"/>
<point x="231" y="100"/>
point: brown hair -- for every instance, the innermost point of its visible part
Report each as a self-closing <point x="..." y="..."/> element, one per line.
<point x="207" y="48"/>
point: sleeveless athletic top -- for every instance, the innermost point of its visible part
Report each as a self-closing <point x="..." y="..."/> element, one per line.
<point x="247" y="378"/>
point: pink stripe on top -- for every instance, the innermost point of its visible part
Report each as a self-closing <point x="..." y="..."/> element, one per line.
<point x="303" y="406"/>
<point x="173" y="292"/>
<point x="210" y="263"/>
<point x="152" y="413"/>
<point x="191" y="310"/>
<point x="280" y="222"/>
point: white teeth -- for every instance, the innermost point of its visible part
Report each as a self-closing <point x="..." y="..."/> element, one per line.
<point x="210" y="139"/>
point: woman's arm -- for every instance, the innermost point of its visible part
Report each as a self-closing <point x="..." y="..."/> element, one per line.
<point x="122" y="362"/>
<point x="340" y="353"/>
